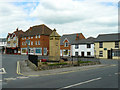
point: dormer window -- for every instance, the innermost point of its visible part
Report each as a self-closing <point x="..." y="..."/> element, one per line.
<point x="66" y="44"/>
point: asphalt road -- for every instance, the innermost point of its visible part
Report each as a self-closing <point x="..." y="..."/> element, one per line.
<point x="9" y="63"/>
<point x="106" y="77"/>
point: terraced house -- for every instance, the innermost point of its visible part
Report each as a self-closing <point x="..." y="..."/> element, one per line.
<point x="13" y="42"/>
<point x="108" y="46"/>
<point x="38" y="37"/>
<point x="66" y="41"/>
<point x="83" y="47"/>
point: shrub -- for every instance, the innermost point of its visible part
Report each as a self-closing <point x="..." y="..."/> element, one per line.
<point x="55" y="64"/>
<point x="44" y="62"/>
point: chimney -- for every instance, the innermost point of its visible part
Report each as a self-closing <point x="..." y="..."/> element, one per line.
<point x="17" y="29"/>
<point x="77" y="36"/>
<point x="81" y="36"/>
<point x="54" y="29"/>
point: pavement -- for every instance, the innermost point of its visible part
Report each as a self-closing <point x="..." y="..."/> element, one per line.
<point x="27" y="71"/>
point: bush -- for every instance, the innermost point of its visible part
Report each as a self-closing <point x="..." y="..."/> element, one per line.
<point x="44" y="62"/>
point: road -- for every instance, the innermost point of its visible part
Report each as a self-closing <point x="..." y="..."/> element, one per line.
<point x="105" y="77"/>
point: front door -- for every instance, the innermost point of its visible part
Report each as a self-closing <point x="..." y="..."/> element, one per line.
<point x="109" y="54"/>
<point x="82" y="54"/>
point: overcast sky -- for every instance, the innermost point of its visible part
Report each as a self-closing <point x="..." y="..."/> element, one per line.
<point x="90" y="17"/>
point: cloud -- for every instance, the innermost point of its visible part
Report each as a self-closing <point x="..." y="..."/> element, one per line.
<point x="89" y="17"/>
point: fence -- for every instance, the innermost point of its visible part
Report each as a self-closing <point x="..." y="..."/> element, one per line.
<point x="33" y="59"/>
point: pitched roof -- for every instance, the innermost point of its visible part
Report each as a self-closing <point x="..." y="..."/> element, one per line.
<point x="89" y="40"/>
<point x="18" y="33"/>
<point x="38" y="30"/>
<point x="70" y="37"/>
<point x="54" y="33"/>
<point x="108" y="37"/>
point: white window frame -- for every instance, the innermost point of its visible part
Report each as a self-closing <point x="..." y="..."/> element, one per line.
<point x="100" y="53"/>
<point x="31" y="37"/>
<point x="36" y="43"/>
<point x="31" y="42"/>
<point x="39" y="36"/>
<point x="66" y="45"/>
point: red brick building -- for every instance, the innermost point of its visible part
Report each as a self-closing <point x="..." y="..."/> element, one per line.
<point x="65" y="43"/>
<point x="38" y="37"/>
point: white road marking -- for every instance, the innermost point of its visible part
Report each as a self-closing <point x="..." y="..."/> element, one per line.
<point x="9" y="79"/>
<point x="116" y="73"/>
<point x="22" y="77"/>
<point x="3" y="71"/>
<point x="0" y="80"/>
<point x="80" y="83"/>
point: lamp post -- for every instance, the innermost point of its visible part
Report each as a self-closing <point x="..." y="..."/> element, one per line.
<point x="27" y="42"/>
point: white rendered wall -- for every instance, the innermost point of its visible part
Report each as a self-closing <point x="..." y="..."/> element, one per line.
<point x="82" y="48"/>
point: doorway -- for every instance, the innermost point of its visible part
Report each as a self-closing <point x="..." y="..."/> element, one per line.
<point x="82" y="54"/>
<point x="109" y="54"/>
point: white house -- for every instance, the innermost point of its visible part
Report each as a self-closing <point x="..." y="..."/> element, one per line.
<point x="3" y="44"/>
<point x="83" y="47"/>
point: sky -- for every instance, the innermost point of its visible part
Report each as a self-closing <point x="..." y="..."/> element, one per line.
<point x="90" y="17"/>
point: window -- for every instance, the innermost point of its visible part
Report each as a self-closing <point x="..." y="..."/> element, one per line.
<point x="24" y="50"/>
<point x="116" y="53"/>
<point x="76" y="46"/>
<point x="36" y="36"/>
<point x="39" y="36"/>
<point x="45" y="51"/>
<point x="66" y="44"/>
<point x="9" y="39"/>
<point x="117" y="44"/>
<point x="14" y="38"/>
<point x="22" y="43"/>
<point x="65" y="52"/>
<point x="88" y="45"/>
<point x="25" y="37"/>
<point x="31" y="50"/>
<point x="31" y="42"/>
<point x="28" y="37"/>
<point x="100" y="53"/>
<point x="38" y="50"/>
<point x="76" y="53"/>
<point x="100" y="44"/>
<point x="38" y="42"/>
<point x="88" y="53"/>
<point x="31" y="37"/>
<point x="14" y="44"/>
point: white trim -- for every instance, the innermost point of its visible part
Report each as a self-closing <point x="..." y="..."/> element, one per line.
<point x="65" y="39"/>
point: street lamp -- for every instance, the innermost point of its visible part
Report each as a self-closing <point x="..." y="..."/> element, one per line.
<point x="27" y="42"/>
